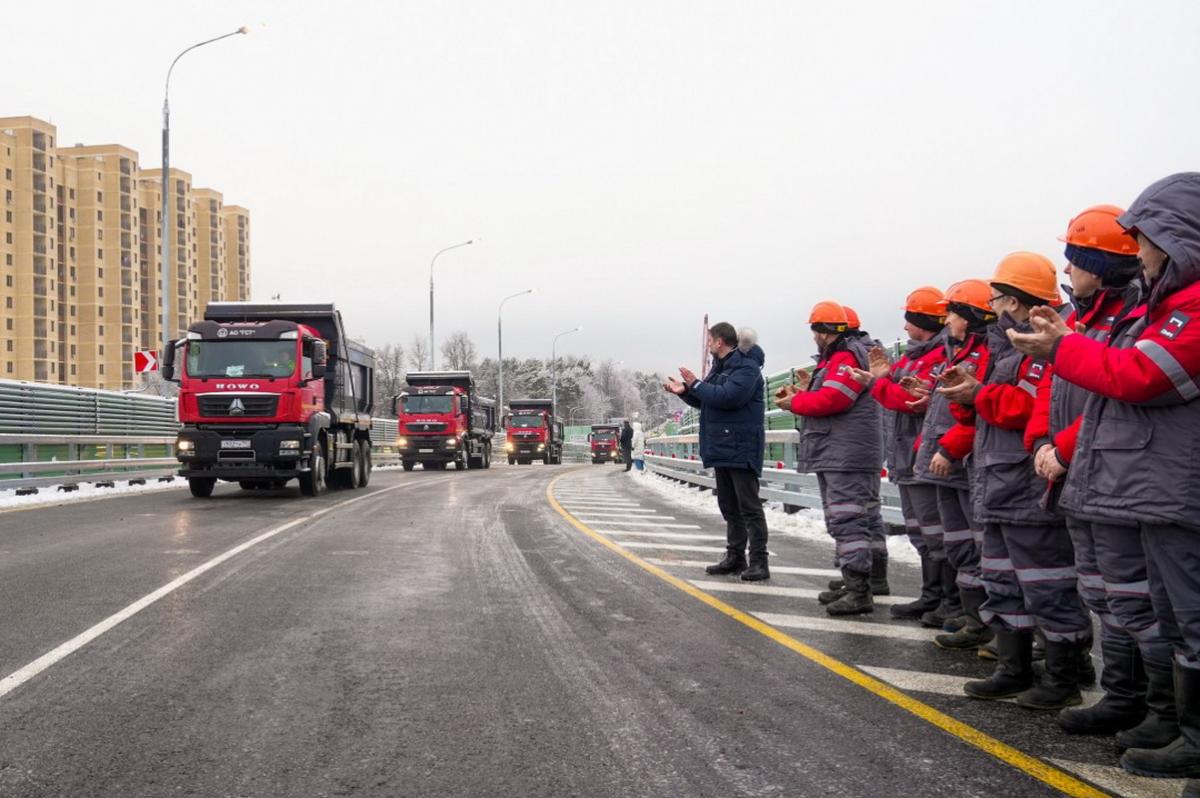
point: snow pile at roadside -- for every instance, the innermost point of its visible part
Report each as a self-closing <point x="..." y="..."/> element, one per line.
<point x="806" y="524"/>
<point x="49" y="494"/>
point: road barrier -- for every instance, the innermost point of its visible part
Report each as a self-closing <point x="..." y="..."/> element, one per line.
<point x="678" y="457"/>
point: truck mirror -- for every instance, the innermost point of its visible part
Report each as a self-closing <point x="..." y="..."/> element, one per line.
<point x="167" y="369"/>
<point x="589" y="436"/>
<point x="319" y="359"/>
<point x="396" y="405"/>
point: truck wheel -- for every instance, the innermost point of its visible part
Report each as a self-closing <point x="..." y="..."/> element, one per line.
<point x="407" y="465"/>
<point x="512" y="461"/>
<point x="354" y="474"/>
<point x="247" y="484"/>
<point x="365" y="474"/>
<point x="312" y="483"/>
<point x="487" y="456"/>
<point x="202" y="487"/>
<point x="460" y="464"/>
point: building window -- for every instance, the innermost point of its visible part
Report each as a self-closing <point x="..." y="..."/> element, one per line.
<point x="8" y="345"/>
<point x="100" y="254"/>
<point x="99" y="216"/>
<point x="71" y="194"/>
<point x="8" y="324"/>
<point x="8" y="260"/>
<point x="8" y="303"/>
<point x="72" y="369"/>
<point x="101" y="350"/>
<point x="101" y="368"/>
<point x="10" y="369"/>
<point x="8" y="174"/>
<point x="8" y="280"/>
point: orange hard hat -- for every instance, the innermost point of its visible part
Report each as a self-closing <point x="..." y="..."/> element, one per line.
<point x="926" y="300"/>
<point x="972" y="293"/>
<point x="829" y="312"/>
<point x="1097" y="228"/>
<point x="851" y="318"/>
<point x="1030" y="273"/>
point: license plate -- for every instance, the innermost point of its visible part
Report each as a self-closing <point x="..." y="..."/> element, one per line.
<point x="236" y="444"/>
<point x="425" y="451"/>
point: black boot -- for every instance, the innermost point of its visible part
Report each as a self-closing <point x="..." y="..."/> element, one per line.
<point x="1014" y="669"/>
<point x="833" y="594"/>
<point x="1181" y="758"/>
<point x="1191" y="789"/>
<point x="734" y="563"/>
<point x="1124" y="702"/>
<point x="858" y="595"/>
<point x="975" y="632"/>
<point x="758" y="571"/>
<point x="1161" y="724"/>
<point x="1087" y="668"/>
<point x="951" y="606"/>
<point x="837" y="584"/>
<point x="931" y="592"/>
<point x="879" y="568"/>
<point x="1059" y="686"/>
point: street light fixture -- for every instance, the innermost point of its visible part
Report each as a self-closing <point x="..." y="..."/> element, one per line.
<point x="432" y="349"/>
<point x="167" y="196"/>
<point x="554" y="365"/>
<point x="500" y="346"/>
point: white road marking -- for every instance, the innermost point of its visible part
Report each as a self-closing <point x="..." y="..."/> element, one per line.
<point x="672" y="547"/>
<point x="640" y="514"/>
<point x="27" y="672"/>
<point x="593" y="522"/>
<point x="832" y="573"/>
<point x="940" y="683"/>
<point x="772" y="590"/>
<point x="668" y="535"/>
<point x="1120" y="782"/>
<point x="846" y="627"/>
<point x="182" y="551"/>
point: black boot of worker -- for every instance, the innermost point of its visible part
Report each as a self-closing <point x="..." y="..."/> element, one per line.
<point x="975" y="632"/>
<point x="1124" y="703"/>
<point x="879" y="573"/>
<point x="1180" y="758"/>
<point x="1161" y="724"/>
<point x="931" y="592"/>
<point x="857" y="599"/>
<point x="951" y="606"/>
<point x="1087" y="668"/>
<point x="1059" y="686"/>
<point x="1191" y="789"/>
<point x="1014" y="668"/>
<point x="734" y="563"/>
<point x="758" y="571"/>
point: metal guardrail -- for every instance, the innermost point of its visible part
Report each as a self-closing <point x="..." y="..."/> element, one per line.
<point x="678" y="457"/>
<point x="37" y="408"/>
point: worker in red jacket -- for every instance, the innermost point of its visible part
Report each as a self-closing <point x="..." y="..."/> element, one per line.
<point x="842" y="443"/>
<point x="947" y="435"/>
<point x="1027" y="563"/>
<point x="1136" y="458"/>
<point x="904" y="414"/>
<point x="1139" y="696"/>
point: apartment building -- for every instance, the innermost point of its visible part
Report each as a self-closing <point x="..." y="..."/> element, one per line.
<point x="80" y="257"/>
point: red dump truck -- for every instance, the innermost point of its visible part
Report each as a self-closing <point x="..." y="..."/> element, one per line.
<point x="605" y="440"/>
<point x="444" y="420"/>
<point x="534" y="432"/>
<point x="269" y="393"/>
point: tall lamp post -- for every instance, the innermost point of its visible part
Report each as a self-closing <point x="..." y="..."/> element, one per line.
<point x="554" y="365"/>
<point x="432" y="349"/>
<point x="168" y="196"/>
<point x="500" y="346"/>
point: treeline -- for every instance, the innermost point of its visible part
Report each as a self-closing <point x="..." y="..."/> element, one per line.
<point x="588" y="391"/>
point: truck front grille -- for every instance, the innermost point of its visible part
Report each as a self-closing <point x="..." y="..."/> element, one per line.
<point x="238" y="405"/>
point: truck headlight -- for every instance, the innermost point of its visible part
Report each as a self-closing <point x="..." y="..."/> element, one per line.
<point x="186" y="445"/>
<point x="402" y="442"/>
<point x="541" y="446"/>
<point x="452" y="442"/>
<point x="289" y="445"/>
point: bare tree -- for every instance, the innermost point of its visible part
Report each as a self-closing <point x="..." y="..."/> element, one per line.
<point x="389" y="373"/>
<point x="418" y="353"/>
<point x="459" y="352"/>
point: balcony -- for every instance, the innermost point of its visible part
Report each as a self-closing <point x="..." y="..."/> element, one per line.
<point x="39" y="245"/>
<point x="126" y="166"/>
<point x="39" y="141"/>
<point x="39" y="203"/>
<point x="39" y="264"/>
<point x="39" y="184"/>
<point x="39" y="223"/>
<point x="39" y="290"/>
<point x="39" y="328"/>
<point x="126" y="186"/>
<point x="39" y="162"/>
<point x="40" y="350"/>
<point x="41" y="371"/>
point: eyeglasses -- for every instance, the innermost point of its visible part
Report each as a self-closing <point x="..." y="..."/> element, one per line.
<point x="997" y="297"/>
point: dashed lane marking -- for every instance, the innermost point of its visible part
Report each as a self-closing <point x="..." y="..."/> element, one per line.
<point x="668" y="535"/>
<point x="1122" y="782"/>
<point x="790" y="592"/>
<point x="831" y="573"/>
<point x="638" y="514"/>
<point x="1045" y="772"/>
<point x="642" y="523"/>
<point x="50" y="658"/>
<point x="673" y="547"/>
<point x="941" y="683"/>
<point x="845" y="627"/>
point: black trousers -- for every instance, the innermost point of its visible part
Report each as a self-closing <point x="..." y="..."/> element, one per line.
<point x="627" y="456"/>
<point x="745" y="521"/>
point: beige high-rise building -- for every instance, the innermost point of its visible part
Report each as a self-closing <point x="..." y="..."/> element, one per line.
<point x="80" y="259"/>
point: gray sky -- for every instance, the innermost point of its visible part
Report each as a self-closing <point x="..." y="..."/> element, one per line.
<point x="640" y="163"/>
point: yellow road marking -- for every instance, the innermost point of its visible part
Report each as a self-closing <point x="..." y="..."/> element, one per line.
<point x="1043" y="772"/>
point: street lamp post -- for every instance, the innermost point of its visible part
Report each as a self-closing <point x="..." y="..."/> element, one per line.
<point x="500" y="346"/>
<point x="554" y="365"/>
<point x="167" y="196"/>
<point x="432" y="350"/>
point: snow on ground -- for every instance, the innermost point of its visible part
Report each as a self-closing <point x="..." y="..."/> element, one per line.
<point x="805" y="524"/>
<point x="50" y="495"/>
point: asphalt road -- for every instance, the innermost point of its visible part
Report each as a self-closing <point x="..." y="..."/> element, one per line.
<point x="453" y="634"/>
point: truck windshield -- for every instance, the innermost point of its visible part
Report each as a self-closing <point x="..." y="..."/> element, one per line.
<point x="603" y="436"/>
<point x="527" y="420"/>
<point x="427" y="404"/>
<point x="241" y="358"/>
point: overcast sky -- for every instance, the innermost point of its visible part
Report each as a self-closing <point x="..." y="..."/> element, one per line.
<point x="641" y="164"/>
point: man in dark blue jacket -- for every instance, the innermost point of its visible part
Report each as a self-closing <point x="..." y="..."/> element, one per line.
<point x="732" y="443"/>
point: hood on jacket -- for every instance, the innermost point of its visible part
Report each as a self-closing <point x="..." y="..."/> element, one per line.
<point x="1168" y="213"/>
<point x="756" y="354"/>
<point x="748" y="345"/>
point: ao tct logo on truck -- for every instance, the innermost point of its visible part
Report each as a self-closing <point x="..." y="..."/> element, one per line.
<point x="225" y="332"/>
<point x="237" y="386"/>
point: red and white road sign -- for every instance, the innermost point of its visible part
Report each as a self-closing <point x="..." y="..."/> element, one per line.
<point x="145" y="361"/>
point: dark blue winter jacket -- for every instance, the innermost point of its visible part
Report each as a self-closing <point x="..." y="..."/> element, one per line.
<point x="732" y="409"/>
